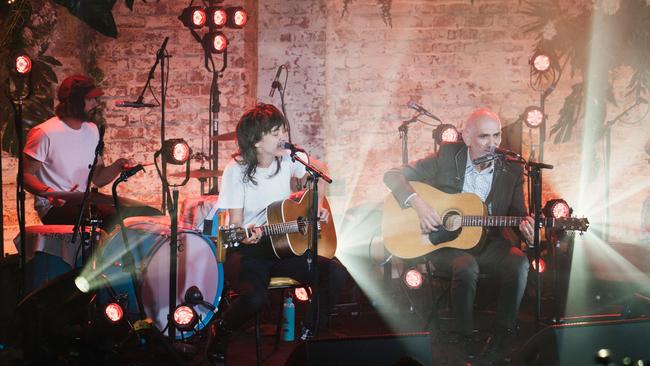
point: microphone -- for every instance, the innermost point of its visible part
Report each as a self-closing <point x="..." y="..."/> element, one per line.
<point x="484" y="159"/>
<point x="163" y="46"/>
<point x="505" y="152"/>
<point x="290" y="146"/>
<point x="418" y="108"/>
<point x="276" y="84"/>
<point x="131" y="172"/>
<point x="124" y="104"/>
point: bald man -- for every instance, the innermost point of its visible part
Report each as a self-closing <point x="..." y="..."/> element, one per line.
<point x="499" y="184"/>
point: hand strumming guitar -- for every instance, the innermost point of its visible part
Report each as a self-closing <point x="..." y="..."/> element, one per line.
<point x="429" y="217"/>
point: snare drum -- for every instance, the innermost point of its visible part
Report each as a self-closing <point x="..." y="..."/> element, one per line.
<point x="149" y="242"/>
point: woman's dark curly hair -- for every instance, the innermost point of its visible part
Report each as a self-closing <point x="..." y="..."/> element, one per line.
<point x="252" y="126"/>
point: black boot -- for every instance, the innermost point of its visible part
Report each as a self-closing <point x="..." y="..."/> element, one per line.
<point x="217" y="350"/>
<point x="497" y="347"/>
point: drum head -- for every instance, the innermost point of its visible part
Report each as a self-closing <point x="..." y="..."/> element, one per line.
<point x="197" y="266"/>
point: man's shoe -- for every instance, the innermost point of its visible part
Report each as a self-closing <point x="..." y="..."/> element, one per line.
<point x="306" y="333"/>
<point x="497" y="346"/>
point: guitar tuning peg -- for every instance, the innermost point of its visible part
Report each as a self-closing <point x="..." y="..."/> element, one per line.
<point x="232" y="226"/>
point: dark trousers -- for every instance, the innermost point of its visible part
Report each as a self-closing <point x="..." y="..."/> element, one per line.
<point x="249" y="268"/>
<point x="68" y="214"/>
<point x="499" y="259"/>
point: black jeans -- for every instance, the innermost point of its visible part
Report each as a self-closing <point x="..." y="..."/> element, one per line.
<point x="249" y="268"/>
<point x="497" y="258"/>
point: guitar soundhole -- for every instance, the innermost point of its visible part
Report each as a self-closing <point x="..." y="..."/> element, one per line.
<point x="452" y="220"/>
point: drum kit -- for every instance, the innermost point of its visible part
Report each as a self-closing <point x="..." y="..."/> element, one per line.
<point x="133" y="257"/>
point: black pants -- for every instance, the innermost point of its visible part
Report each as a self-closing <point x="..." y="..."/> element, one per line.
<point x="248" y="270"/>
<point x="68" y="214"/>
<point x="499" y="259"/>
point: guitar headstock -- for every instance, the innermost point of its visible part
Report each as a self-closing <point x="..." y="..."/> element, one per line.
<point x="570" y="223"/>
<point x="231" y="236"/>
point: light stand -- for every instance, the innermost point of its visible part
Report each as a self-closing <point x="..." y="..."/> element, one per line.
<point x="312" y="252"/>
<point x="17" y="105"/>
<point x="173" y="240"/>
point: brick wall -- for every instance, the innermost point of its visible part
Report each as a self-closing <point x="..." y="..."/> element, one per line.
<point x="350" y="76"/>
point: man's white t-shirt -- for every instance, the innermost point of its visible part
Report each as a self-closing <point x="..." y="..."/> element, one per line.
<point x="65" y="153"/>
<point x="235" y="193"/>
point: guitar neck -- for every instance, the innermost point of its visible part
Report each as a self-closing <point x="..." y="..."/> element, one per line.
<point x="289" y="227"/>
<point x="493" y="221"/>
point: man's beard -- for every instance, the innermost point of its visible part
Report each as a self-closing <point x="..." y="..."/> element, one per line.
<point x="91" y="114"/>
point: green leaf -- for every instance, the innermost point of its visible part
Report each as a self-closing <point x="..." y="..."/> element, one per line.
<point x="129" y="4"/>
<point x="96" y="13"/>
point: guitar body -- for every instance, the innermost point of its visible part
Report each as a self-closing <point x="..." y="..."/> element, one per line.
<point x="401" y="227"/>
<point x="296" y="244"/>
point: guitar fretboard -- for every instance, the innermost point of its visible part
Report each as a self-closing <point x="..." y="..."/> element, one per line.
<point x="289" y="227"/>
<point x="492" y="220"/>
<point x="281" y="228"/>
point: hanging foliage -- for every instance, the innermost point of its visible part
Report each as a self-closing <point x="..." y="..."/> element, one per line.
<point x="384" y="10"/>
<point x="616" y="33"/>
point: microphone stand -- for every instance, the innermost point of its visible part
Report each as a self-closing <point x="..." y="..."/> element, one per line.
<point x="80" y="227"/>
<point x="161" y="55"/>
<point x="403" y="130"/>
<point x="534" y="172"/>
<point x="127" y="257"/>
<point x="312" y="252"/>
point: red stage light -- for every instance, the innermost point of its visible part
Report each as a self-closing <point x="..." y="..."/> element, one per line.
<point x="218" y="17"/>
<point x="542" y="265"/>
<point x="216" y="42"/>
<point x="23" y="64"/>
<point x="193" y="17"/>
<point x="180" y="152"/>
<point x="533" y="117"/>
<point x="413" y="279"/>
<point x="446" y="133"/>
<point x="541" y="62"/>
<point x="184" y="317"/>
<point x="557" y="208"/>
<point x="301" y="294"/>
<point x="237" y="17"/>
<point x="114" y="312"/>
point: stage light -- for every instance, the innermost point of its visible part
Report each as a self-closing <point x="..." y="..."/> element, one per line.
<point x="193" y="17"/>
<point x="217" y="17"/>
<point x="176" y="151"/>
<point x="533" y="116"/>
<point x="185" y="318"/>
<point x="541" y="62"/>
<point x="301" y="293"/>
<point x="216" y="42"/>
<point x="413" y="279"/>
<point x="82" y="284"/>
<point x="557" y="208"/>
<point x="113" y="312"/>
<point x="446" y="134"/>
<point x="542" y="265"/>
<point x="237" y="17"/>
<point x="23" y="64"/>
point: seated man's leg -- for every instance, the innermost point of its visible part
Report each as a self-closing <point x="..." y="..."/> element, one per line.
<point x="464" y="272"/>
<point x="510" y="264"/>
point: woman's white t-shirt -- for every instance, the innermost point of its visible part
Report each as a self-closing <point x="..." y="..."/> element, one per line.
<point x="254" y="198"/>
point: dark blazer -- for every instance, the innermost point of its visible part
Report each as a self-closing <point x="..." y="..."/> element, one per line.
<point x="446" y="172"/>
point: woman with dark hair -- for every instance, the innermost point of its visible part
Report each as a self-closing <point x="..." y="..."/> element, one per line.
<point x="260" y="174"/>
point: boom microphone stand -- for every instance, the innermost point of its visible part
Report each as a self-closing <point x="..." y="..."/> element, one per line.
<point x="312" y="252"/>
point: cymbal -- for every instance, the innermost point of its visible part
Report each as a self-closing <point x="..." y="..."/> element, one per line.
<point x="199" y="173"/>
<point x="228" y="136"/>
<point x="94" y="198"/>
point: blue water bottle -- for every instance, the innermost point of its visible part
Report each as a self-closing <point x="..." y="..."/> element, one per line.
<point x="288" y="320"/>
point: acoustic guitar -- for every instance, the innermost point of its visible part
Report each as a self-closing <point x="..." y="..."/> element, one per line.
<point x="288" y="227"/>
<point x="464" y="218"/>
